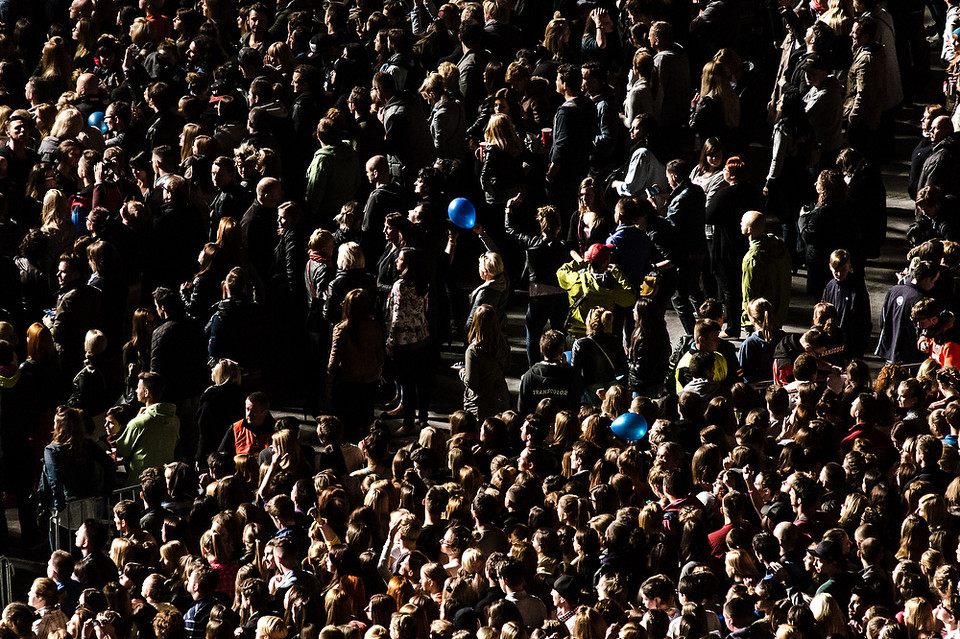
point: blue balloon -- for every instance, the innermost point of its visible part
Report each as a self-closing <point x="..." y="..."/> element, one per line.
<point x="462" y="213"/>
<point x="96" y="119"/>
<point x="629" y="426"/>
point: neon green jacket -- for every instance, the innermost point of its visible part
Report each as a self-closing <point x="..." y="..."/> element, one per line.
<point x="608" y="289"/>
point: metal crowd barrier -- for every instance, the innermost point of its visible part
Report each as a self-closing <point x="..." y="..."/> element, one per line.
<point x="7" y="595"/>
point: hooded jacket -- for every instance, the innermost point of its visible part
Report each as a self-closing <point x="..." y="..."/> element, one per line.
<point x="766" y="273"/>
<point x="332" y="179"/>
<point x="150" y="438"/>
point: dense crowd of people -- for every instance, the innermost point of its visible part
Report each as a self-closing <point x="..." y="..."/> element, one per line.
<point x="209" y="210"/>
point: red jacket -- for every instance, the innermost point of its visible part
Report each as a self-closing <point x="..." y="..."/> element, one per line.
<point x="247" y="441"/>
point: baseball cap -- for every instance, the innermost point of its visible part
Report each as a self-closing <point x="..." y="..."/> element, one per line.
<point x="828" y="551"/>
<point x="597" y="252"/>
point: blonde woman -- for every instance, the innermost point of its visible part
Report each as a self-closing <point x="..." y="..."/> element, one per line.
<point x="554" y="49"/>
<point x="280" y="57"/>
<point x="450" y="73"/>
<point x="141" y="33"/>
<point x="914" y="538"/>
<point x="716" y="108"/>
<point x="830" y="621"/>
<point x="839" y="17"/>
<point x="270" y="627"/>
<point x="189" y="133"/>
<point x="216" y="550"/>
<point x="60" y="233"/>
<point x="66" y="126"/>
<point x="741" y="567"/>
<point x="220" y="405"/>
<point x="485" y="390"/>
<point x="919" y="620"/>
<point x="756" y="352"/>
<point x="85" y="35"/>
<point x="933" y="509"/>
<point x="501" y="176"/>
<point x="55" y="66"/>
<point x="495" y="287"/>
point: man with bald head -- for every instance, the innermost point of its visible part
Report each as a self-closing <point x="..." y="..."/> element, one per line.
<point x="259" y="224"/>
<point x="88" y="93"/>
<point x="386" y="198"/>
<point x="940" y="168"/>
<point x="766" y="268"/>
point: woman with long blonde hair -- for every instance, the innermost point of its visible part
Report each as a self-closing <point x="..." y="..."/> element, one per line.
<point x="914" y="538"/>
<point x="55" y="65"/>
<point x="216" y="550"/>
<point x="556" y="38"/>
<point x="717" y="108"/>
<point x="280" y="57"/>
<point x="919" y="620"/>
<point x="501" y="176"/>
<point x="85" y="36"/>
<point x="485" y="363"/>
<point x="60" y="233"/>
<point x="189" y="133"/>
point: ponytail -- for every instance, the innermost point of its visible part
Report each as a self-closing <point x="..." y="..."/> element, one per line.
<point x="760" y="311"/>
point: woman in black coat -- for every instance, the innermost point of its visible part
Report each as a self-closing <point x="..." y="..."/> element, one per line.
<point x="221" y="405"/>
<point x="825" y="228"/>
<point x="203" y="291"/>
<point x="649" y="355"/>
<point x="729" y="244"/>
<point x="867" y="202"/>
<point x="598" y="357"/>
<point x="350" y="275"/>
<point x="501" y="176"/>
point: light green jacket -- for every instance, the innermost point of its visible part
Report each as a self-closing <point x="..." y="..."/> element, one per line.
<point x="150" y="438"/>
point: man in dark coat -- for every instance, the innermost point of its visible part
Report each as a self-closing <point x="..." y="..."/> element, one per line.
<point x="79" y="309"/>
<point x="898" y="335"/>
<point x="574" y="130"/>
<point x="259" y="225"/>
<point x="409" y="144"/>
<point x="231" y="199"/>
<point x="178" y="354"/>
<point x="941" y="166"/>
<point x="686" y="209"/>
